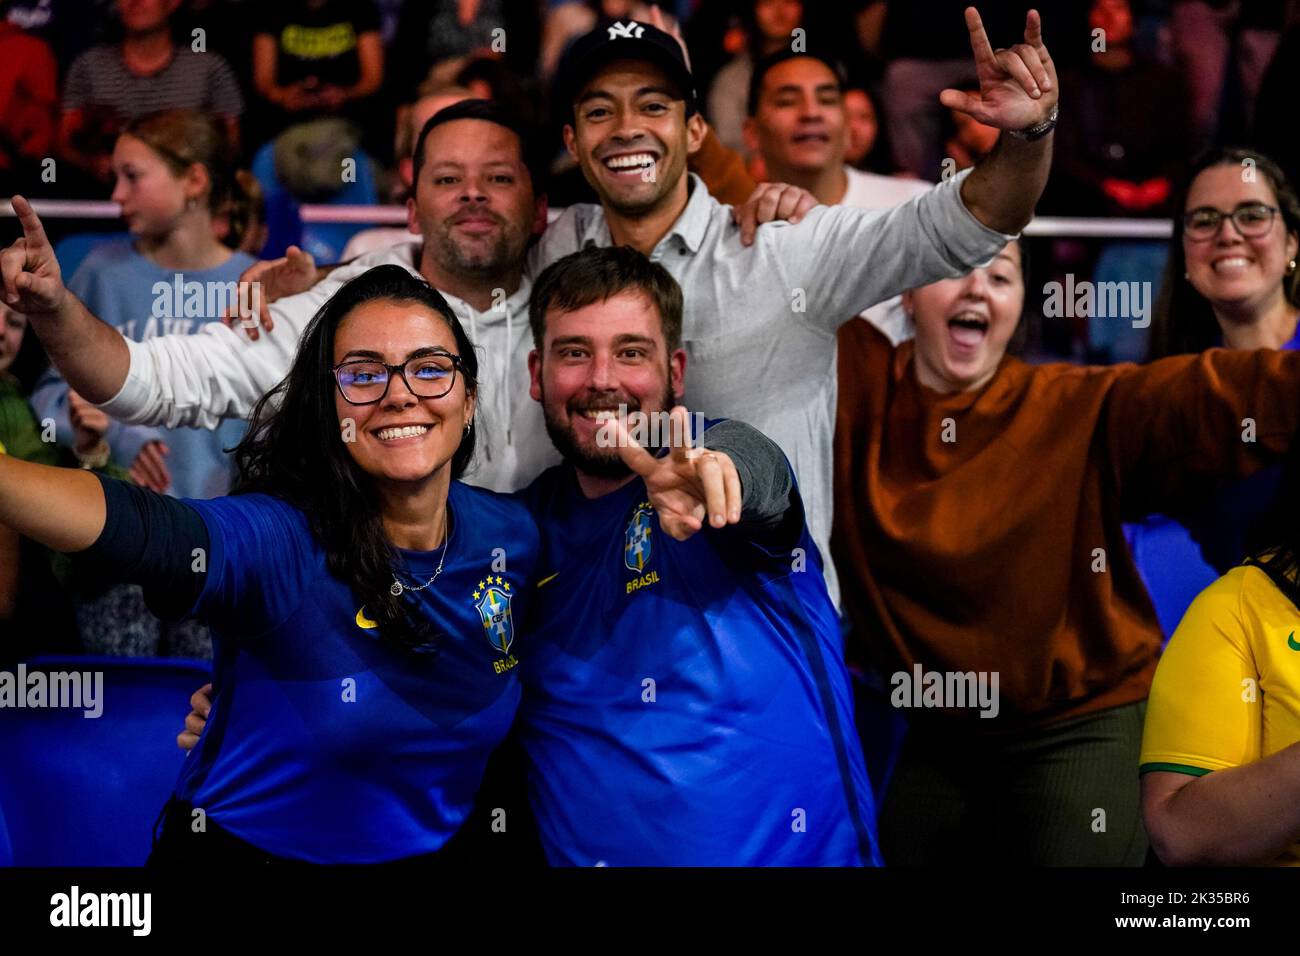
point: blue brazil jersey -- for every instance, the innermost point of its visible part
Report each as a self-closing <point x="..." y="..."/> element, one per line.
<point x="324" y="742"/>
<point x="685" y="703"/>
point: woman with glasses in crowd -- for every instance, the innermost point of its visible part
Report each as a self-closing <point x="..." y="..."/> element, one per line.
<point x="1231" y="281"/>
<point x="979" y="517"/>
<point x="363" y="600"/>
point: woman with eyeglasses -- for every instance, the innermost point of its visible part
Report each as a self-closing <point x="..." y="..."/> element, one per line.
<point x="362" y="600"/>
<point x="1231" y="281"/>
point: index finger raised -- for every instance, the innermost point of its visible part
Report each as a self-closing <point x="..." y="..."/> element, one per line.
<point x="979" y="39"/>
<point x="33" y="231"/>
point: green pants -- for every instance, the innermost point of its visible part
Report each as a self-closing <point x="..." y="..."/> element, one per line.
<point x="1066" y="795"/>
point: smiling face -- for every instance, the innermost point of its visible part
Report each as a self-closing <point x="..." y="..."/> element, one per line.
<point x="12" y="326"/>
<point x="631" y="137"/>
<point x="799" y="123"/>
<point x="474" y="204"/>
<point x="401" y="438"/>
<point x="963" y="325"/>
<point x="152" y="197"/>
<point x="1236" y="274"/>
<point x="595" y="359"/>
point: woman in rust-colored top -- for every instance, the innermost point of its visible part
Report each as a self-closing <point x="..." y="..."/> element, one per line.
<point x="978" y="532"/>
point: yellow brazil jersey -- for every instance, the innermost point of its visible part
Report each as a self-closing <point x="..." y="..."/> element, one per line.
<point x="1227" y="689"/>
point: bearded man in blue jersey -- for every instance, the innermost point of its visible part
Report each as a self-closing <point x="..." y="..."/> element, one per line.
<point x="686" y="700"/>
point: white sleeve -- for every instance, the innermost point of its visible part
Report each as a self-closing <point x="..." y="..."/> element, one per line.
<point x="847" y="260"/>
<point x="217" y="373"/>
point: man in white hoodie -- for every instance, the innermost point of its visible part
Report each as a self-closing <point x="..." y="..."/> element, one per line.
<point x="472" y="213"/>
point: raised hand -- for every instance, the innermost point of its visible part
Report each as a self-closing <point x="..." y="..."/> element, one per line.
<point x="29" y="272"/>
<point x="1017" y="86"/>
<point x="686" y="486"/>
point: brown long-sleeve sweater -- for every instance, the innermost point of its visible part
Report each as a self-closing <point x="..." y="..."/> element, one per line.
<point x="981" y="553"/>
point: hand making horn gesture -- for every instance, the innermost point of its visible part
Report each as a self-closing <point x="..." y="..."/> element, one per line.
<point x="1018" y="88"/>
<point x="30" y="279"/>
<point x="688" y="484"/>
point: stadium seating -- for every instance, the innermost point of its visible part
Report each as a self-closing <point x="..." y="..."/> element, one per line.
<point x="79" y="791"/>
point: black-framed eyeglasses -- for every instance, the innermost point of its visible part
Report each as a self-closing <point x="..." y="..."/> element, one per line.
<point x="1250" y="219"/>
<point x="430" y="374"/>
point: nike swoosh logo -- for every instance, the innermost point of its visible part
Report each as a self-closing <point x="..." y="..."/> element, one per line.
<point x="557" y="574"/>
<point x="1291" y="642"/>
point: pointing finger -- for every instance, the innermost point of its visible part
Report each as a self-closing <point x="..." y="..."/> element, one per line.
<point x="979" y="40"/>
<point x="33" y="231"/>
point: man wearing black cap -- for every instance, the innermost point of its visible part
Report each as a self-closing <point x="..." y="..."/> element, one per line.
<point x="760" y="321"/>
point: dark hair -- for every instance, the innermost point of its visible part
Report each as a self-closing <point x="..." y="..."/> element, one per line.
<point x="773" y="60"/>
<point x="597" y="273"/>
<point x="185" y="137"/>
<point x="489" y="112"/>
<point x="294" y="451"/>
<point x="1184" y="320"/>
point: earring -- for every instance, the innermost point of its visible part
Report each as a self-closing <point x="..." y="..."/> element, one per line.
<point x="1187" y="276"/>
<point x="468" y="425"/>
<point x="1290" y="267"/>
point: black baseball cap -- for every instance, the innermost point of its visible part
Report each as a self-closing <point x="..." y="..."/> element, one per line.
<point x="612" y="40"/>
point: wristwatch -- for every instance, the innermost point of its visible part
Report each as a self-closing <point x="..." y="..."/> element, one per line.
<point x="1038" y="130"/>
<point x="96" y="458"/>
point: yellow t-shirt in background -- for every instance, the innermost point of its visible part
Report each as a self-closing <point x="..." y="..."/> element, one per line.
<point x="1227" y="689"/>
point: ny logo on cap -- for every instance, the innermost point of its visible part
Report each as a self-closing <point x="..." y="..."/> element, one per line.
<point x="630" y="31"/>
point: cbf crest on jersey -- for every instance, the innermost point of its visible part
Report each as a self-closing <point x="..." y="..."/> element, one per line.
<point x="492" y="599"/>
<point x="636" y="539"/>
